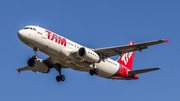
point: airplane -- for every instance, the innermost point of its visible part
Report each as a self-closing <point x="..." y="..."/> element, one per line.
<point x="64" y="53"/>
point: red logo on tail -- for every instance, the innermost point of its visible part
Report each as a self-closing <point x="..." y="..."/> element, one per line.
<point x="127" y="59"/>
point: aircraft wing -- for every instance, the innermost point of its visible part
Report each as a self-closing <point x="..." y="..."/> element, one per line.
<point x="25" y="68"/>
<point x="48" y="61"/>
<point x="118" y="50"/>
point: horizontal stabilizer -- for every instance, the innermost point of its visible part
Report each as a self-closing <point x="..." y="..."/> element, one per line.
<point x="143" y="70"/>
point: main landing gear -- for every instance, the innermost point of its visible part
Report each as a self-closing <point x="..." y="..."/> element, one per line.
<point x="94" y="70"/>
<point x="60" y="77"/>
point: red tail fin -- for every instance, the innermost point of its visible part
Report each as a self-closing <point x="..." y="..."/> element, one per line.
<point x="127" y="59"/>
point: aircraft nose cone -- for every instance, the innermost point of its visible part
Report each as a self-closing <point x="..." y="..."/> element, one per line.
<point x="20" y="34"/>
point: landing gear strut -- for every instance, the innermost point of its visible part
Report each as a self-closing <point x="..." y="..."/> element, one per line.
<point x="31" y="60"/>
<point x="60" y="77"/>
<point x="94" y="70"/>
<point x="36" y="50"/>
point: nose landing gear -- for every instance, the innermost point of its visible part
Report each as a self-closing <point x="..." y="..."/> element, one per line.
<point x="31" y="60"/>
<point x="36" y="50"/>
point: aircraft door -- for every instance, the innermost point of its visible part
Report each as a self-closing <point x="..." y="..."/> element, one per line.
<point x="44" y="34"/>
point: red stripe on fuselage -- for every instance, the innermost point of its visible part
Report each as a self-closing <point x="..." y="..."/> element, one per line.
<point x="122" y="74"/>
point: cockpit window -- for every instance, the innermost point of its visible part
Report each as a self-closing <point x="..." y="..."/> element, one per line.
<point x="30" y="28"/>
<point x="26" y="28"/>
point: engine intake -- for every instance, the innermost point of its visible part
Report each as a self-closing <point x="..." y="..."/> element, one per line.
<point x="81" y="51"/>
<point x="88" y="55"/>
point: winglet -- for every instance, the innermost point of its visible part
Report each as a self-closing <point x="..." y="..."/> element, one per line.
<point x="167" y="41"/>
<point x="19" y="71"/>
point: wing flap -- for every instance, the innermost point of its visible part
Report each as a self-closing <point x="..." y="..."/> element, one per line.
<point x="140" y="71"/>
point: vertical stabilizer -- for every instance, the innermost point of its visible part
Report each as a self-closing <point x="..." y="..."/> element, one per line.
<point x="126" y="59"/>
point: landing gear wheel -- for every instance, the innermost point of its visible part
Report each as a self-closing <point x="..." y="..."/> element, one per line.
<point x="96" y="71"/>
<point x="58" y="79"/>
<point x="62" y="78"/>
<point x="91" y="72"/>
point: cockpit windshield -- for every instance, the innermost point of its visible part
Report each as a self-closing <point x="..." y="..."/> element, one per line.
<point x="30" y="28"/>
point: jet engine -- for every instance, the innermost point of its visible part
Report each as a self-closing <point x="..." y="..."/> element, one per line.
<point x="88" y="55"/>
<point x="38" y="65"/>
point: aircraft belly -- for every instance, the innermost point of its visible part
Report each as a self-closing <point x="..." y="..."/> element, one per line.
<point x="77" y="65"/>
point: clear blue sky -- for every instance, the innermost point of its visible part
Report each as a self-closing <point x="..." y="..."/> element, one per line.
<point x="96" y="24"/>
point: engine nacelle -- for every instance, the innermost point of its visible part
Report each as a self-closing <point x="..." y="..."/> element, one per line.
<point x="88" y="55"/>
<point x="38" y="65"/>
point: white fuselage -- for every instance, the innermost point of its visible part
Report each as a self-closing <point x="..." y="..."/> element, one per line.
<point x="60" y="50"/>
